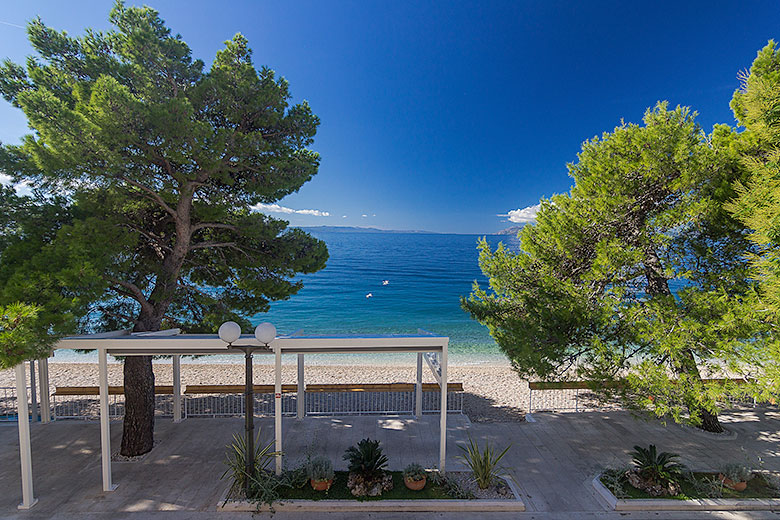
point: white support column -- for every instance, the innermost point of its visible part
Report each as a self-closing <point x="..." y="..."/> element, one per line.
<point x="177" y="389"/>
<point x="278" y="408"/>
<point x="443" y="422"/>
<point x="43" y="377"/>
<point x="25" y="451"/>
<point x="105" y="426"/>
<point x="300" y="400"/>
<point x="418" y="387"/>
<point x="33" y="393"/>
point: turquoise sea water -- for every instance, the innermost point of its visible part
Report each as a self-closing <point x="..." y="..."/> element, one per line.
<point x="426" y="275"/>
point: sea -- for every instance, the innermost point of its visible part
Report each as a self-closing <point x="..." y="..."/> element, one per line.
<point x="383" y="283"/>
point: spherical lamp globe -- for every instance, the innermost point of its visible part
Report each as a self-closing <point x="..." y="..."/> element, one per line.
<point x="229" y="331"/>
<point x="265" y="333"/>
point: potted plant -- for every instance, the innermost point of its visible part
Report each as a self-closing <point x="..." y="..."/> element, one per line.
<point x="735" y="476"/>
<point x="414" y="477"/>
<point x="320" y="473"/>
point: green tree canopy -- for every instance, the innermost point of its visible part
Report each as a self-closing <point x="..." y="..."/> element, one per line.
<point x="160" y="163"/>
<point x="590" y="292"/>
<point x="23" y="335"/>
<point x="756" y="106"/>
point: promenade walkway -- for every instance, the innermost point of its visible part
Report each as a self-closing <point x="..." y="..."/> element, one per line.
<point x="552" y="460"/>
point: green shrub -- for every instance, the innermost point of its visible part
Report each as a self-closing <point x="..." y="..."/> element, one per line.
<point x="661" y="468"/>
<point x="414" y="472"/>
<point x="706" y="486"/>
<point x="366" y="459"/>
<point x="483" y="463"/>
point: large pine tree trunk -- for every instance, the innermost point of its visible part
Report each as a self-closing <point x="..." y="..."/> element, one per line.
<point x="138" y="428"/>
<point x="658" y="285"/>
<point x="138" y="423"/>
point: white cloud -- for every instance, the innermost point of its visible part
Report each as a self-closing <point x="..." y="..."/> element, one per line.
<point x="522" y="215"/>
<point x="276" y="208"/>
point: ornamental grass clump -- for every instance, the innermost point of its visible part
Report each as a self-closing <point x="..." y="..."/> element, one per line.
<point x="367" y="465"/>
<point x="483" y="463"/>
<point x="235" y="460"/>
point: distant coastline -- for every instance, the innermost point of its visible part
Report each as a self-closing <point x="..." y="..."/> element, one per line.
<point x="355" y="229"/>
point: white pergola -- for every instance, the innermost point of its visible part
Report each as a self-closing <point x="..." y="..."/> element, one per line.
<point x="429" y="347"/>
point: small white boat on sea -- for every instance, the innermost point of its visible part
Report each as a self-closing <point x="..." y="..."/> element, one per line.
<point x="369" y="295"/>
<point x="385" y="282"/>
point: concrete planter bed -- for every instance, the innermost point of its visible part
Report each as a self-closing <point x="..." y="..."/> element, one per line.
<point x="676" y="504"/>
<point x="379" y="504"/>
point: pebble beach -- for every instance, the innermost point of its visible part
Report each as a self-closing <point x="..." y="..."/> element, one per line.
<point x="492" y="392"/>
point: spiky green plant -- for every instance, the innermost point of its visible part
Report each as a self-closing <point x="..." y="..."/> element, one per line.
<point x="483" y="463"/>
<point x="235" y="460"/>
<point x="661" y="468"/>
<point x="366" y="458"/>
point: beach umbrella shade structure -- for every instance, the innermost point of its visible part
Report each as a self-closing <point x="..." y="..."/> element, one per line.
<point x="230" y="332"/>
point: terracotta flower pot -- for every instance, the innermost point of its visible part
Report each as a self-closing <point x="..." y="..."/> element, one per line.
<point x="415" y="485"/>
<point x="736" y="486"/>
<point x="320" y="485"/>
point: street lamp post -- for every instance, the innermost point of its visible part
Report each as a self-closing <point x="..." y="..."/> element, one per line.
<point x="230" y="332"/>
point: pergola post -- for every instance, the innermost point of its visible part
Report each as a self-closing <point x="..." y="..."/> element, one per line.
<point x="105" y="425"/>
<point x="43" y="377"/>
<point x="33" y="393"/>
<point x="443" y="420"/>
<point x="418" y="387"/>
<point x="25" y="451"/>
<point x="177" y="389"/>
<point x="300" y="400"/>
<point x="278" y="408"/>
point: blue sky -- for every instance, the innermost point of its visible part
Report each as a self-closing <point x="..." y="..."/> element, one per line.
<point x="444" y="115"/>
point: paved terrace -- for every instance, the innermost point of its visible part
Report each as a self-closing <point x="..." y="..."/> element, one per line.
<point x="552" y="460"/>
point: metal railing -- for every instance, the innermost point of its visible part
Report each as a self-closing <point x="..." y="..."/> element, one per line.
<point x="7" y="403"/>
<point x="578" y="396"/>
<point x="232" y="405"/>
<point x="88" y="407"/>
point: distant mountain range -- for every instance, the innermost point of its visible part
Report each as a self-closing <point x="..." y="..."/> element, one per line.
<point x="355" y="229"/>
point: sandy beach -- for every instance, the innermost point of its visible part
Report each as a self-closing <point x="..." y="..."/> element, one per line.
<point x="492" y="393"/>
